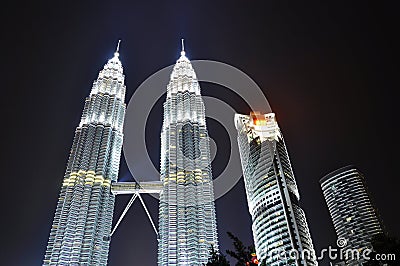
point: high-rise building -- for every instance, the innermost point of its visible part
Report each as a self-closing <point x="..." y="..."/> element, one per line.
<point x="187" y="222"/>
<point x="82" y="221"/>
<point x="353" y="215"/>
<point x="279" y="225"/>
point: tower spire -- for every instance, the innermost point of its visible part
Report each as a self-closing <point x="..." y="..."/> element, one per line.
<point x="183" y="47"/>
<point x="117" y="50"/>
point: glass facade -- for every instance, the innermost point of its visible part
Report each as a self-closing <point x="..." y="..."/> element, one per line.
<point x="187" y="222"/>
<point x="280" y="230"/>
<point x="82" y="222"/>
<point x="354" y="218"/>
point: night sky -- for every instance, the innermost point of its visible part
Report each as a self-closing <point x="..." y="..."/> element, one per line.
<point x="327" y="69"/>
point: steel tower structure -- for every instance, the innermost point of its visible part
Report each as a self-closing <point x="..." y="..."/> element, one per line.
<point x="280" y="230"/>
<point x="187" y="222"/>
<point x="82" y="222"/>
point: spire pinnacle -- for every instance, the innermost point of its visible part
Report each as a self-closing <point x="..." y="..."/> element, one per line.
<point x="183" y="47"/>
<point x="117" y="50"/>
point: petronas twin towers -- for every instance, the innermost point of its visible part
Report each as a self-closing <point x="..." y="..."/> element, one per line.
<point x="85" y="206"/>
<point x="81" y="230"/>
<point x="187" y="223"/>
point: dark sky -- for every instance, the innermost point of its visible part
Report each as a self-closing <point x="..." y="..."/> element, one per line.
<point x="327" y="69"/>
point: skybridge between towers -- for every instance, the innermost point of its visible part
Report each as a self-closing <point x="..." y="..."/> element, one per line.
<point x="135" y="189"/>
<point x="150" y="187"/>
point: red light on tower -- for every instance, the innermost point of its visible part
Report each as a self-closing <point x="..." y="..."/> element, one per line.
<point x="258" y="119"/>
<point x="254" y="259"/>
<point x="255" y="121"/>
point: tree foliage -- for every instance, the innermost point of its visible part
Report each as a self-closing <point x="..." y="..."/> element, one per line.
<point x="243" y="254"/>
<point x="216" y="258"/>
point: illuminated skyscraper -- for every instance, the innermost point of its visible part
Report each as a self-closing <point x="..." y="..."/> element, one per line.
<point x="187" y="223"/>
<point x="82" y="221"/>
<point x="279" y="226"/>
<point x="353" y="216"/>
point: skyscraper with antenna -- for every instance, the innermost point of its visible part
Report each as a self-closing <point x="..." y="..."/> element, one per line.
<point x="187" y="222"/>
<point x="82" y="221"/>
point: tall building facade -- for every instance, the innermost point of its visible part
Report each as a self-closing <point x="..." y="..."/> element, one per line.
<point x="83" y="217"/>
<point x="187" y="222"/>
<point x="280" y="230"/>
<point x="353" y="215"/>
